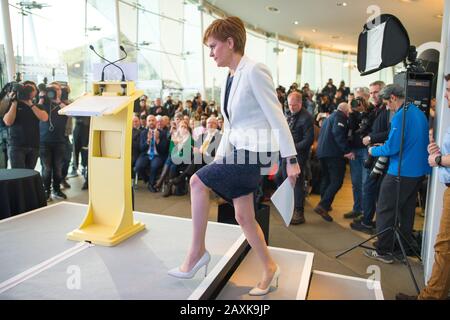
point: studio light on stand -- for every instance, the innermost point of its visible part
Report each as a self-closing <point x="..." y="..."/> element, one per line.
<point x="384" y="42"/>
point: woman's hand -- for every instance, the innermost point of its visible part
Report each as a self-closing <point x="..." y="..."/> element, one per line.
<point x="293" y="171"/>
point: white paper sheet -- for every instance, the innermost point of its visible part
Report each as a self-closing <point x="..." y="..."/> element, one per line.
<point x="283" y="200"/>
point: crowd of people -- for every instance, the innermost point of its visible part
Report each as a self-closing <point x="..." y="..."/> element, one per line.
<point x="171" y="140"/>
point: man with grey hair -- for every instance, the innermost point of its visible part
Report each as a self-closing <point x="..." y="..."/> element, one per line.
<point x="332" y="149"/>
<point x="409" y="172"/>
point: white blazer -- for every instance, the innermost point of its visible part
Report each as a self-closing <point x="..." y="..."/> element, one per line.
<point x="257" y="122"/>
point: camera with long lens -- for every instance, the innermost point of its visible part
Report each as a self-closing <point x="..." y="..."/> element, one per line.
<point x="380" y="167"/>
<point x="50" y="92"/>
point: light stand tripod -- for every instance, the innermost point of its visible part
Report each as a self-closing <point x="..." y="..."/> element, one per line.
<point x="397" y="234"/>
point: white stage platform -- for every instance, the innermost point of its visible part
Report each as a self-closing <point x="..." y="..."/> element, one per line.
<point x="332" y="286"/>
<point x="38" y="262"/>
<point x="134" y="269"/>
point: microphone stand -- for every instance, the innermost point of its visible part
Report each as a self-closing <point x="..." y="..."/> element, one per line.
<point x="111" y="63"/>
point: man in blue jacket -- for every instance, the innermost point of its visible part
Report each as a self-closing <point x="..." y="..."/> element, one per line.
<point x="414" y="166"/>
<point x="332" y="149"/>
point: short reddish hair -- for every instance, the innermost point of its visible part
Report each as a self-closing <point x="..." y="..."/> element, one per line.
<point x="231" y="27"/>
<point x="447" y="77"/>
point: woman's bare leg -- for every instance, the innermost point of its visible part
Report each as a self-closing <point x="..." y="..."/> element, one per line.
<point x="199" y="211"/>
<point x="245" y="216"/>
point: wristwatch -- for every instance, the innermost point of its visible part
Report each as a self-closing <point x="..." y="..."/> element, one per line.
<point x="438" y="160"/>
<point x="293" y="160"/>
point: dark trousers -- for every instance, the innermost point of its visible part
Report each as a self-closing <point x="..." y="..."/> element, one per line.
<point x="144" y="162"/>
<point x="23" y="157"/>
<point x="299" y="189"/>
<point x="52" y="156"/>
<point x="80" y="143"/>
<point x="3" y="148"/>
<point x="333" y="172"/>
<point x="67" y="157"/>
<point x="386" y="210"/>
<point x="371" y="190"/>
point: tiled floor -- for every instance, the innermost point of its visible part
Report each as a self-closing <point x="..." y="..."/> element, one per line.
<point x="316" y="235"/>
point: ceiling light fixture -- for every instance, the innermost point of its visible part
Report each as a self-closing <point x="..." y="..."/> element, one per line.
<point x="296" y="22"/>
<point x="439" y="16"/>
<point x="314" y="30"/>
<point x="342" y="4"/>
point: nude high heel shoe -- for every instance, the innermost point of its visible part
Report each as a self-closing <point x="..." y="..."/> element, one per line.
<point x="204" y="261"/>
<point x="260" y="292"/>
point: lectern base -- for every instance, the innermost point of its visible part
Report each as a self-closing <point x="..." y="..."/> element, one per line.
<point x="104" y="235"/>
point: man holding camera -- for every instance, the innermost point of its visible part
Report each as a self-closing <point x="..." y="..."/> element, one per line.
<point x="360" y="124"/>
<point x="23" y="118"/>
<point x="379" y="134"/>
<point x="53" y="141"/>
<point x="439" y="283"/>
<point x="413" y="168"/>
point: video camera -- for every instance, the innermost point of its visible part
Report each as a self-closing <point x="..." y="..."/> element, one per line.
<point x="21" y="91"/>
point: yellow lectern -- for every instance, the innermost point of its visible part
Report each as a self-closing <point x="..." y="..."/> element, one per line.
<point x="109" y="219"/>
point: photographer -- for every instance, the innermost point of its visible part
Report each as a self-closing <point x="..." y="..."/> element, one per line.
<point x="23" y="118"/>
<point x="360" y="124"/>
<point x="413" y="167"/>
<point x="53" y="140"/>
<point x="379" y="134"/>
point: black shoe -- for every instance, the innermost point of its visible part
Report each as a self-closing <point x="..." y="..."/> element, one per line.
<point x="358" y="219"/>
<point x="361" y="226"/>
<point x="352" y="215"/>
<point x="59" y="195"/>
<point x="151" y="188"/>
<point x="402" y="296"/>
<point x="323" y="213"/>
<point x="85" y="186"/>
<point x="373" y="254"/>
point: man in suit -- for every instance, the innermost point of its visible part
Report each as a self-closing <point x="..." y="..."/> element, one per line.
<point x="154" y="147"/>
<point x="302" y="130"/>
<point x="206" y="145"/>
<point x="332" y="149"/>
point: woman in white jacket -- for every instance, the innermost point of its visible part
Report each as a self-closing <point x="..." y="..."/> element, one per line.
<point x="255" y="129"/>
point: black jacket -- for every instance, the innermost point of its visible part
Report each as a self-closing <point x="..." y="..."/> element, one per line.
<point x="135" y="144"/>
<point x="301" y="125"/>
<point x="333" y="142"/>
<point x="162" y="147"/>
<point x="380" y="127"/>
